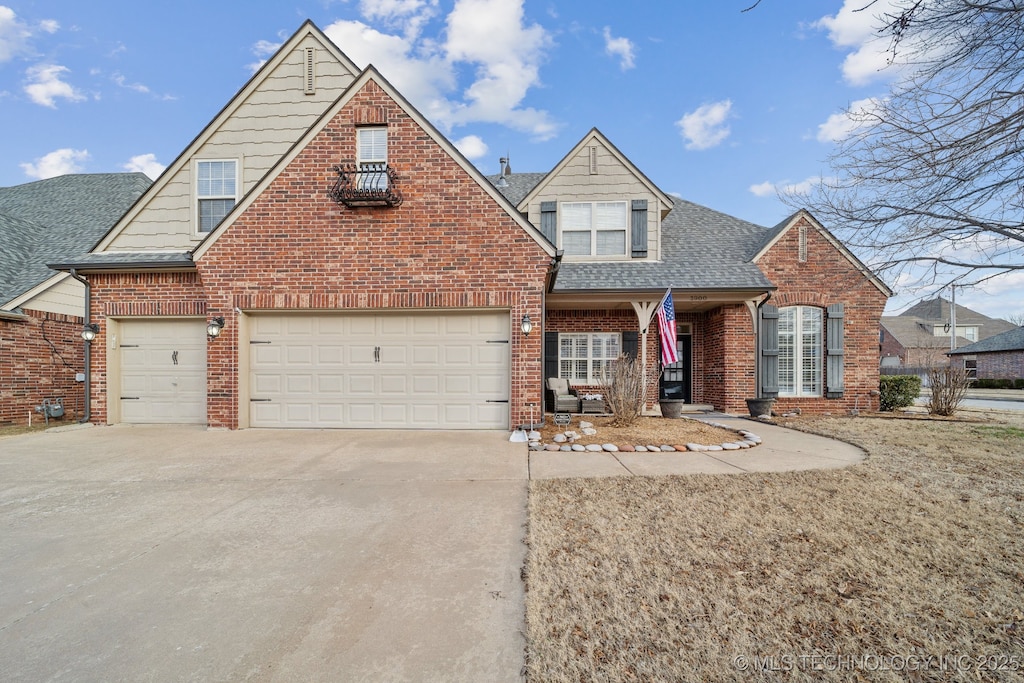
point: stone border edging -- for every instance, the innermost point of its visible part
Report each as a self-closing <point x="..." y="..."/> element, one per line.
<point x="749" y="440"/>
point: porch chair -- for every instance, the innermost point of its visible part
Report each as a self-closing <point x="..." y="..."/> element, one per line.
<point x="564" y="398"/>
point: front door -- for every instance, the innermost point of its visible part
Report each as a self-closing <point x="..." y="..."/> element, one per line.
<point x="677" y="379"/>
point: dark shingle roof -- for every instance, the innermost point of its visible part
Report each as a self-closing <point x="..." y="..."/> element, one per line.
<point x="125" y="259"/>
<point x="701" y="249"/>
<point x="519" y="185"/>
<point x="916" y="333"/>
<point x="57" y="218"/>
<point x="1011" y="340"/>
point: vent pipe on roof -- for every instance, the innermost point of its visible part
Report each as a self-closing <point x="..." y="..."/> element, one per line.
<point x="505" y="170"/>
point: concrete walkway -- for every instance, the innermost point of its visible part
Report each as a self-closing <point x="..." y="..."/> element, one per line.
<point x="782" y="450"/>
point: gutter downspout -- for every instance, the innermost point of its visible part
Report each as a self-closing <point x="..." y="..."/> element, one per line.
<point x="88" y="349"/>
<point x="757" y="344"/>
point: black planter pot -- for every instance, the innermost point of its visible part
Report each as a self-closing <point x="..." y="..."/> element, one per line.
<point x="760" y="406"/>
<point x="671" y="407"/>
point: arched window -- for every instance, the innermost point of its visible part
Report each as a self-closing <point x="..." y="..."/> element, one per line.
<point x="800" y="351"/>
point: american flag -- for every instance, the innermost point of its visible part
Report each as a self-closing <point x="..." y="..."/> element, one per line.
<point x="667" y="330"/>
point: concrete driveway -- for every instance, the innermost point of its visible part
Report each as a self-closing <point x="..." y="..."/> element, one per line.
<point x="154" y="553"/>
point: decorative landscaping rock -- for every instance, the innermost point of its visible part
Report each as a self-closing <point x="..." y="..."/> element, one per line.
<point x="584" y="425"/>
<point x="627" y="449"/>
<point x="578" y="447"/>
<point x="715" y="448"/>
<point x="610" y="447"/>
<point x="743" y="444"/>
<point x="730" y="446"/>
<point x="667" y="449"/>
<point x="653" y="448"/>
<point x="572" y="436"/>
<point x="566" y="448"/>
<point x="696" y="447"/>
<point x="589" y="431"/>
<point x="535" y="446"/>
<point x="641" y="449"/>
<point x="594" y="448"/>
<point x="551" y="447"/>
<point x="681" y="449"/>
<point x="533" y="436"/>
<point x="559" y="438"/>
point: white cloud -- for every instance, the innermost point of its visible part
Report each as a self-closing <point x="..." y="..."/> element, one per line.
<point x="14" y="35"/>
<point x="487" y="37"/>
<point x="145" y="163"/>
<point x="46" y="85"/>
<point x="786" y="187"/>
<point x="122" y="81"/>
<point x="840" y="126"/>
<point x="705" y="127"/>
<point x="855" y="30"/>
<point x="49" y="25"/>
<point x="57" y="162"/>
<point x="619" y="47"/>
<point x="263" y="49"/>
<point x="472" y="147"/>
<point x="409" y="15"/>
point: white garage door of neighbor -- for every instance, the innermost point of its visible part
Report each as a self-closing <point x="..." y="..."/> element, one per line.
<point x="428" y="371"/>
<point x="163" y="371"/>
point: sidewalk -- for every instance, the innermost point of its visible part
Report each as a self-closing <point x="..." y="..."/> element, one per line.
<point x="782" y="450"/>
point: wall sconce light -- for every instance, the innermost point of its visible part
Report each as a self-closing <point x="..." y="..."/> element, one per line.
<point x="89" y="331"/>
<point x="214" y="327"/>
<point x="526" y="325"/>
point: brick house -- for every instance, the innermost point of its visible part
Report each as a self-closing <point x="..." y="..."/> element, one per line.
<point x="322" y="256"/>
<point x="1000" y="356"/>
<point x="41" y="311"/>
<point x="919" y="337"/>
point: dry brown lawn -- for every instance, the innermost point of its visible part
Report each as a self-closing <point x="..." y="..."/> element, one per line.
<point x="905" y="567"/>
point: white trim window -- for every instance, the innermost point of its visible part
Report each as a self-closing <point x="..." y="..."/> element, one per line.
<point x="800" y="351"/>
<point x="372" y="157"/>
<point x="594" y="228"/>
<point x="585" y="358"/>
<point x="216" y="191"/>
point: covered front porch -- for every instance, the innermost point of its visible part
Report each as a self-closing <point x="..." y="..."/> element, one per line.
<point x="715" y="343"/>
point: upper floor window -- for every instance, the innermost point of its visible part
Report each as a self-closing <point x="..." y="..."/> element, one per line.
<point x="216" y="191"/>
<point x="594" y="228"/>
<point x="800" y="351"/>
<point x="372" y="158"/>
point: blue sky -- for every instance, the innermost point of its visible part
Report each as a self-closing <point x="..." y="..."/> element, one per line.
<point x="716" y="105"/>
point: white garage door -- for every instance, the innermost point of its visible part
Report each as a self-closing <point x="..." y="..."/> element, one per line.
<point x="163" y="371"/>
<point x="430" y="371"/>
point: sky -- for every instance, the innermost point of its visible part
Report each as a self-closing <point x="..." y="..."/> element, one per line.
<point x="716" y="105"/>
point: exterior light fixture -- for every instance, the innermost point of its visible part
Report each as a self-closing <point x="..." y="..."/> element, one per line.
<point x="89" y="331"/>
<point x="526" y="325"/>
<point x="214" y="327"/>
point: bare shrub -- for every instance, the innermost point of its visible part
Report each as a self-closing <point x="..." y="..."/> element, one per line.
<point x="623" y="385"/>
<point x="948" y="388"/>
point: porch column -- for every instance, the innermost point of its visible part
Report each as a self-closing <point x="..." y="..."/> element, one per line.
<point x="645" y="311"/>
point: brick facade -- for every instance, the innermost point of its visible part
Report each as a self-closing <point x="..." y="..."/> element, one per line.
<point x="996" y="364"/>
<point x="49" y="349"/>
<point x="828" y="277"/>
<point x="448" y="246"/>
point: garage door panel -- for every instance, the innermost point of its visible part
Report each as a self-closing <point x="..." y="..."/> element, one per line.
<point x="382" y="371"/>
<point x="163" y="371"/>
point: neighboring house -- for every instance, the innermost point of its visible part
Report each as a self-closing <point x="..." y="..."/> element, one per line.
<point x="321" y="256"/>
<point x="1000" y="356"/>
<point x="40" y="310"/>
<point x="919" y="338"/>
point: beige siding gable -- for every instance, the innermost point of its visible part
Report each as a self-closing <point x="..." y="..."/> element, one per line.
<point x="63" y="294"/>
<point x="257" y="128"/>
<point x="595" y="172"/>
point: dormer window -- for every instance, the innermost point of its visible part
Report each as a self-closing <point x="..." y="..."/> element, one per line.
<point x="216" y="191"/>
<point x="594" y="228"/>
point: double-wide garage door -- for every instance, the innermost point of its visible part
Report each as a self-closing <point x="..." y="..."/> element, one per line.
<point x="430" y="370"/>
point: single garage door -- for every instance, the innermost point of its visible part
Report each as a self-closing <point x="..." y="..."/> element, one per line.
<point x="163" y="371"/>
<point x="363" y="371"/>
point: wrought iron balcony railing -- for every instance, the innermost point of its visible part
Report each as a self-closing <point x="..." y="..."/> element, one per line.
<point x="366" y="185"/>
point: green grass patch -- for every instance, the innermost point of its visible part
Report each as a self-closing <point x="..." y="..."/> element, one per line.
<point x="999" y="432"/>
